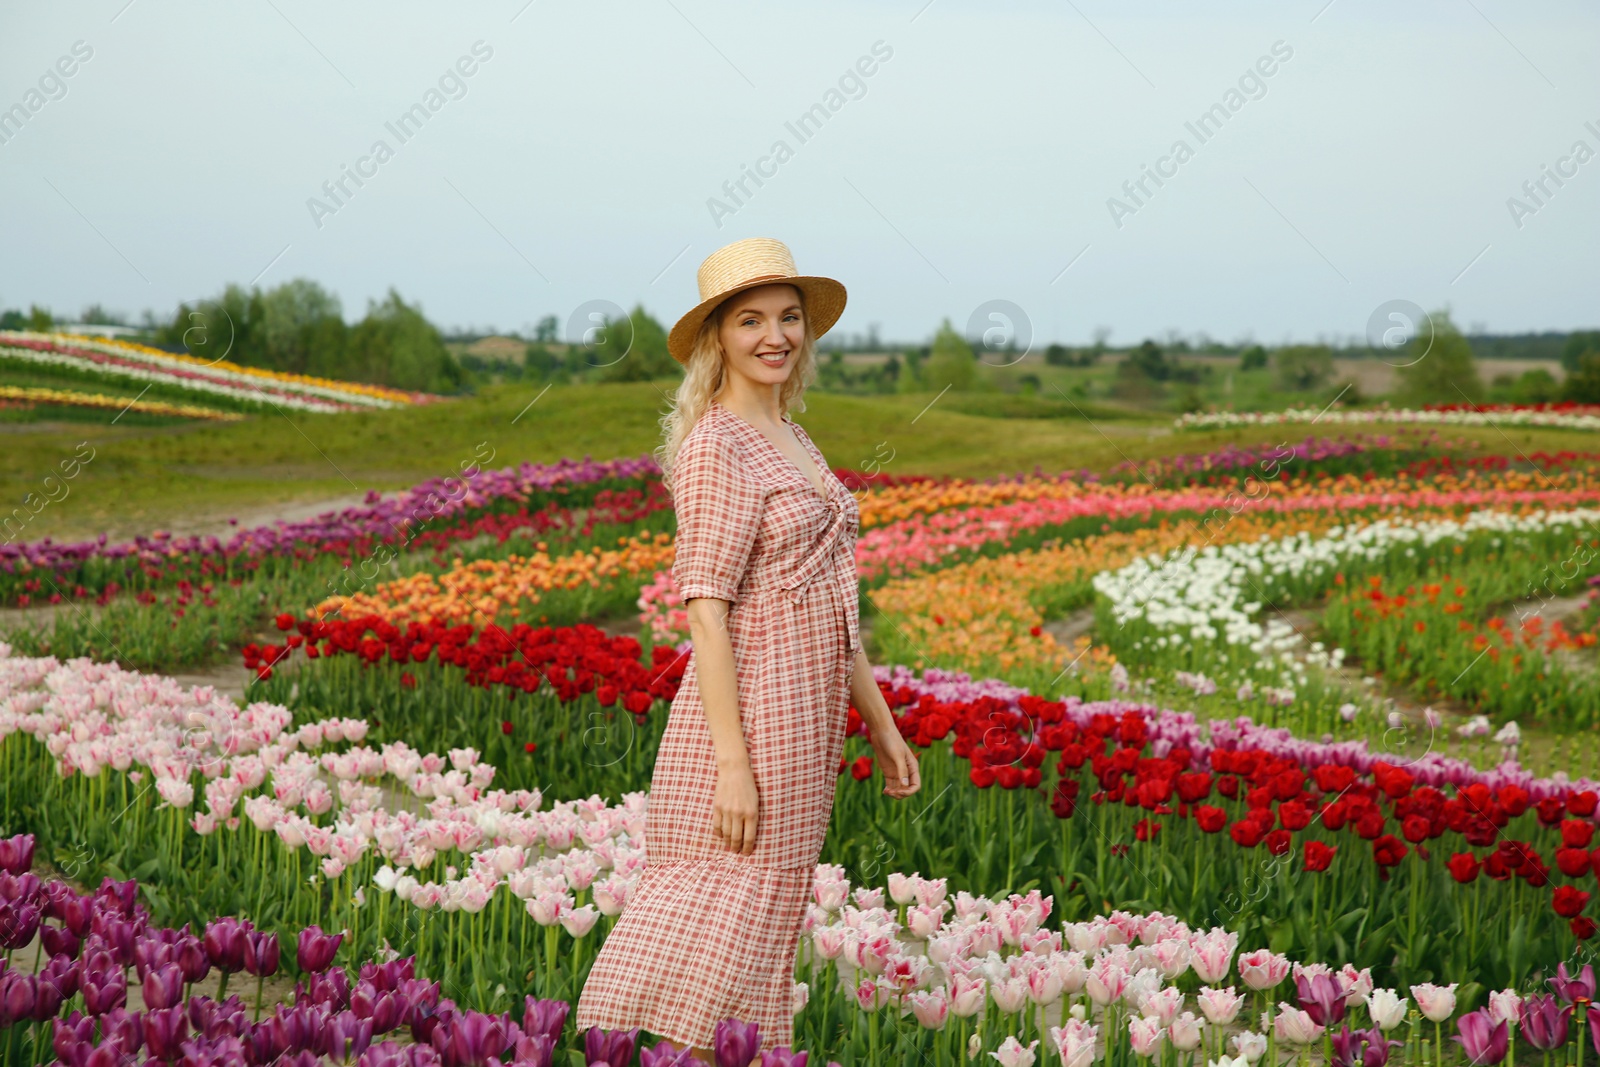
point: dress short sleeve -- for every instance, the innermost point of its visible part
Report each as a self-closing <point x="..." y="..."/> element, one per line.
<point x="718" y="504"/>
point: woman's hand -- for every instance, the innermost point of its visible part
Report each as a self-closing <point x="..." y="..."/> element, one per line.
<point x="734" y="807"/>
<point x="901" y="775"/>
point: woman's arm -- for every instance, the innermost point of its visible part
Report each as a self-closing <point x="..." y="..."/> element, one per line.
<point x="734" y="805"/>
<point x="902" y="777"/>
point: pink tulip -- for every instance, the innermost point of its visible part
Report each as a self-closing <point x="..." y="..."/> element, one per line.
<point x="1435" y="1002"/>
<point x="828" y="941"/>
<point x="932" y="1008"/>
<point x="1044" y="985"/>
<point x="870" y="996"/>
<point x="1213" y="955"/>
<point x="1106" y="982"/>
<point x="1145" y="1034"/>
<point x="1505" y="1006"/>
<point x="1220" y="1006"/>
<point x="579" y="921"/>
<point x="1184" y="1032"/>
<point x="1075" y="1042"/>
<point x="967" y="995"/>
<point x="1250" y="1045"/>
<point x="1009" y="994"/>
<point x="1355" y="984"/>
<point x="1013" y="1053"/>
<point x="1294" y="1025"/>
<point x="1163" y="1004"/>
<point x="1262" y="969"/>
<point x="903" y="888"/>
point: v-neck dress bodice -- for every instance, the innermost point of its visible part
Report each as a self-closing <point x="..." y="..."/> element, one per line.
<point x="710" y="934"/>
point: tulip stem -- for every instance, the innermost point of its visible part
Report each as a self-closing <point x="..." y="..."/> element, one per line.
<point x="261" y="980"/>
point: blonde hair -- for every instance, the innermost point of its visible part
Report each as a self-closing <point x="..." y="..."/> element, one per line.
<point x="705" y="374"/>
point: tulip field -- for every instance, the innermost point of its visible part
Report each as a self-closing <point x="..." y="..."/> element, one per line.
<point x="1258" y="756"/>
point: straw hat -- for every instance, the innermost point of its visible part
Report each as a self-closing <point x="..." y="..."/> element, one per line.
<point x="744" y="265"/>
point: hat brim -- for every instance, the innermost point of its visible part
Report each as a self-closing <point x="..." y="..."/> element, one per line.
<point x="824" y="300"/>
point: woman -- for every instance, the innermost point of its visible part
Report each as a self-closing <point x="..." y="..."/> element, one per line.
<point x="744" y="780"/>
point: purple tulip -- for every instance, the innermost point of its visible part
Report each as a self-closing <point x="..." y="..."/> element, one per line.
<point x="16" y="997"/>
<point x="77" y="913"/>
<point x="422" y="1056"/>
<point x="383" y="1054"/>
<point x="316" y="949"/>
<point x="427" y="1020"/>
<point x="610" y="1048"/>
<point x="1321" y="998"/>
<point x="120" y="895"/>
<point x="1570" y="988"/>
<point x="104" y="991"/>
<point x="228" y="1019"/>
<point x="735" y="1043"/>
<point x="418" y="999"/>
<point x="224" y="943"/>
<point x="347" y="1036"/>
<point x="534" y="1050"/>
<point x="20" y="888"/>
<point x="548" y="1017"/>
<point x="19" y="921"/>
<point x="104" y="1056"/>
<point x="117" y="935"/>
<point x="122" y="1028"/>
<point x="192" y="959"/>
<point x="783" y="1056"/>
<point x="269" y="1039"/>
<point x="163" y="986"/>
<point x="16" y="854"/>
<point x="388" y="976"/>
<point x="49" y="988"/>
<point x="59" y="941"/>
<point x="300" y="1027"/>
<point x="261" y="954"/>
<point x="226" y="1051"/>
<point x="1543" y="1022"/>
<point x="299" y="1059"/>
<point x="476" y="1037"/>
<point x="1361" y="1048"/>
<point x="62" y="974"/>
<point x="74" y="1028"/>
<point x="666" y="1054"/>
<point x="1483" y="1040"/>
<point x="165" y="1030"/>
<point x="331" y="990"/>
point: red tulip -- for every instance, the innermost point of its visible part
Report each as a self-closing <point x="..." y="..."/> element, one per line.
<point x="1210" y="819"/>
<point x="1569" y="901"/>
<point x="1573" y="862"/>
<point x="1279" y="842"/>
<point x="861" y="769"/>
<point x="1389" y="850"/>
<point x="1319" y="856"/>
<point x="1464" y="867"/>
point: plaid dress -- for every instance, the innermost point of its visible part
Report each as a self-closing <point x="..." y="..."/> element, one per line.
<point x="709" y="934"/>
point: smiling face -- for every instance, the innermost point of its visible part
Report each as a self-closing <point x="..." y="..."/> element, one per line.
<point x="761" y="331"/>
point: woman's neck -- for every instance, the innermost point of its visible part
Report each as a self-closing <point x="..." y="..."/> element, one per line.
<point x="756" y="404"/>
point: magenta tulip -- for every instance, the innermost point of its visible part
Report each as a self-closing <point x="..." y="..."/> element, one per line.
<point x="165" y="1030"/>
<point x="666" y="1054"/>
<point x="316" y="949"/>
<point x="1483" y="1040"/>
<point x="735" y="1043"/>
<point x="163" y="986"/>
<point x="610" y="1048"/>
<point x="1543" y="1022"/>
<point x="1569" y="988"/>
<point x="16" y="854"/>
<point x="261" y="954"/>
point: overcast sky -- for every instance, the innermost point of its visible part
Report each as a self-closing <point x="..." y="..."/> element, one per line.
<point x="977" y="161"/>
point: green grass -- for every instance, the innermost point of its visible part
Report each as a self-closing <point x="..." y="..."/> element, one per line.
<point x="197" y="475"/>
